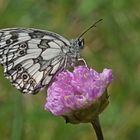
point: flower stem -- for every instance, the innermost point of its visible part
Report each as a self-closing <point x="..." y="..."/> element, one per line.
<point x="97" y="127"/>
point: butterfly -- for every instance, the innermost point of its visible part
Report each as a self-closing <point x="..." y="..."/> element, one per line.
<point x="32" y="57"/>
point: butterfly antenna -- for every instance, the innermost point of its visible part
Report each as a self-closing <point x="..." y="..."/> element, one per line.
<point x="93" y="25"/>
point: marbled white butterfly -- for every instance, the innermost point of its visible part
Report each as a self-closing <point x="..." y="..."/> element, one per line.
<point x="32" y="57"/>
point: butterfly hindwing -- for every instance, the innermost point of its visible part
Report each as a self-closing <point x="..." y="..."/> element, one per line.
<point x="31" y="57"/>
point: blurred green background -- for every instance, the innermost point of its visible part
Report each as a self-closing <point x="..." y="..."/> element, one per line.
<point x="115" y="44"/>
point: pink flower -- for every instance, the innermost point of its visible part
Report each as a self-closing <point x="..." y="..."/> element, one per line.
<point x="79" y="90"/>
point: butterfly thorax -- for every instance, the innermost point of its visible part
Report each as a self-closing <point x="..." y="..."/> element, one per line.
<point x="74" y="50"/>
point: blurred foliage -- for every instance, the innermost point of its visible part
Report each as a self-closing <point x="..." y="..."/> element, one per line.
<point x="115" y="44"/>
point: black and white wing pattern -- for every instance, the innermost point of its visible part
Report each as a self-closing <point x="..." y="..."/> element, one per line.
<point x="31" y="57"/>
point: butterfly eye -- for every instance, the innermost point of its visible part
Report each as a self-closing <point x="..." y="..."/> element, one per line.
<point x="81" y="43"/>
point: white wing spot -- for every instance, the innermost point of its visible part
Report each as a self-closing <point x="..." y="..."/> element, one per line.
<point x="27" y="64"/>
<point x="38" y="76"/>
<point x="50" y="53"/>
<point x="53" y="45"/>
<point x="48" y="37"/>
<point x="32" y="70"/>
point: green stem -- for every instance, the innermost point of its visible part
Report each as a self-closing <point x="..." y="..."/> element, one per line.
<point x="97" y="127"/>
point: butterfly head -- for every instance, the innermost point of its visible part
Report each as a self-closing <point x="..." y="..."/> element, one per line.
<point x="78" y="43"/>
<point x="76" y="46"/>
<point x="74" y="49"/>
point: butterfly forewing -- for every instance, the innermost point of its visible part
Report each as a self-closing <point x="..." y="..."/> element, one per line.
<point x="31" y="57"/>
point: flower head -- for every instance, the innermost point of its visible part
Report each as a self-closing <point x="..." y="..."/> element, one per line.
<point x="79" y="95"/>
